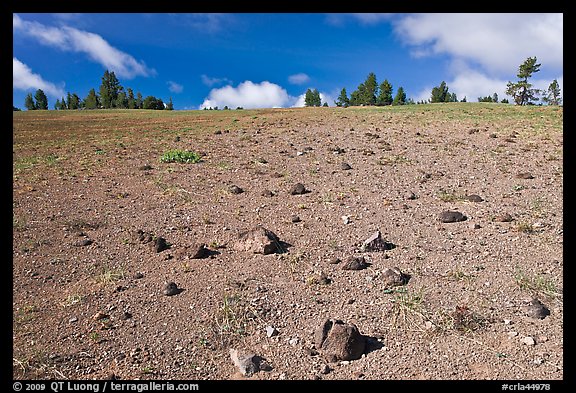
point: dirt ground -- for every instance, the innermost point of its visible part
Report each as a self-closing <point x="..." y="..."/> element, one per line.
<point x="92" y="201"/>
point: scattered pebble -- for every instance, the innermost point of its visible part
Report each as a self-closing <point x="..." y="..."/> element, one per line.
<point x="528" y="341"/>
<point x="170" y="289"/>
<point x="448" y="216"/>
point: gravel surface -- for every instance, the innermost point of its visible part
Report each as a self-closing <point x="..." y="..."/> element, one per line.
<point x="127" y="267"/>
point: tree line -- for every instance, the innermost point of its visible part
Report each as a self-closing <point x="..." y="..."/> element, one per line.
<point x="369" y="93"/>
<point x="111" y="95"/>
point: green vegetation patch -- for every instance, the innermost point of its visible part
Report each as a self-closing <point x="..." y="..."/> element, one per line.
<point x="181" y="156"/>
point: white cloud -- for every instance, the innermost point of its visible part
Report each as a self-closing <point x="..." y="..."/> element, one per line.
<point x="175" y="87"/>
<point x="208" y="81"/>
<point x="73" y="40"/>
<point x="499" y="43"/>
<point x="363" y="18"/>
<point x="24" y="79"/>
<point x="249" y="95"/>
<point x="298" y="79"/>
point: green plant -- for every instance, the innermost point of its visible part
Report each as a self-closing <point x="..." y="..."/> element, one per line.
<point x="447" y="196"/>
<point x="110" y="275"/>
<point x="537" y="284"/>
<point x="180" y="156"/>
<point x="525" y="227"/>
<point x="72" y="300"/>
<point x="407" y="305"/>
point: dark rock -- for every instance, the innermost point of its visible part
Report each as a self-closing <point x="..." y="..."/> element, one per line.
<point x="259" y="241"/>
<point x="535" y="309"/>
<point x="376" y="243"/>
<point x="524" y="175"/>
<point x="235" y="190"/>
<point x="145" y="167"/>
<point x="338" y="340"/>
<point x="334" y="261"/>
<point x="295" y="219"/>
<point x="83" y="242"/>
<point x="247" y="363"/>
<point x="345" y="166"/>
<point x="298" y="189"/>
<point x="267" y="193"/>
<point x="451" y="216"/>
<point x="171" y="289"/>
<point x="355" y="263"/>
<point x="411" y="196"/>
<point x="160" y="244"/>
<point x="393" y="277"/>
<point x="198" y="251"/>
<point x="138" y="275"/>
<point x="503" y="217"/>
<point x="474" y="198"/>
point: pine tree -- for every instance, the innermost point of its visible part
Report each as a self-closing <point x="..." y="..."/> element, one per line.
<point x="109" y="89"/>
<point x="342" y="99"/>
<point x="131" y="100"/>
<point x="57" y="104"/>
<point x="440" y="93"/>
<point x="552" y="95"/>
<point x="41" y="100"/>
<point x="522" y="91"/>
<point x="91" y="101"/>
<point x="139" y="101"/>
<point x="370" y="90"/>
<point x="400" y="98"/>
<point x="385" y="95"/>
<point x="170" y="105"/>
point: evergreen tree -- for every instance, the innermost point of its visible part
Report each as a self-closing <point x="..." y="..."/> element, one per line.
<point x="342" y="99"/>
<point x="400" y="98"/>
<point x="170" y="105"/>
<point x="91" y="101"/>
<point x="41" y="100"/>
<point x="139" y="101"/>
<point x="68" y="99"/>
<point x="312" y="98"/>
<point x="121" y="100"/>
<point x="522" y="91"/>
<point x="370" y="90"/>
<point x="325" y="104"/>
<point x="440" y="93"/>
<point x="109" y="90"/>
<point x="63" y="105"/>
<point x="355" y="97"/>
<point x="495" y="97"/>
<point x="73" y="101"/>
<point x="385" y="95"/>
<point x="552" y="95"/>
<point x="131" y="100"/>
<point x="151" y="102"/>
<point x="57" y="104"/>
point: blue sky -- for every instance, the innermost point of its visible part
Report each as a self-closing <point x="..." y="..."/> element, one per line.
<point x="263" y="60"/>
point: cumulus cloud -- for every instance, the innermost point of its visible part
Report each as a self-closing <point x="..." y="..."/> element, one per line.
<point x="298" y="79"/>
<point x="175" y="87"/>
<point x="499" y="43"/>
<point x="24" y="79"/>
<point x="248" y="95"/>
<point x="94" y="46"/>
<point x="208" y="81"/>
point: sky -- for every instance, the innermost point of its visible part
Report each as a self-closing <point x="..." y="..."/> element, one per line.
<point x="268" y="60"/>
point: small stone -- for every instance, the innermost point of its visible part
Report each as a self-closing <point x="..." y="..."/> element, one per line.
<point x="394" y="277"/>
<point x="355" y="263"/>
<point x="503" y="217"/>
<point x="295" y="219"/>
<point x="535" y="309"/>
<point x="474" y="226"/>
<point x="160" y="244"/>
<point x="334" y="261"/>
<point x="298" y="189"/>
<point x="73" y="319"/>
<point x="125" y="315"/>
<point x="448" y="216"/>
<point x="376" y="243"/>
<point x="345" y="166"/>
<point x="512" y="334"/>
<point x="271" y="331"/>
<point x="325" y="369"/>
<point x="411" y="196"/>
<point x="171" y="289"/>
<point x="138" y="275"/>
<point x="524" y="175"/>
<point x="267" y="193"/>
<point x="235" y="190"/>
<point x="100" y="315"/>
<point x="294" y="341"/>
<point x="528" y="341"/>
<point x="83" y="242"/>
<point x="246" y="362"/>
<point x="473" y="198"/>
<point x="345" y="219"/>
